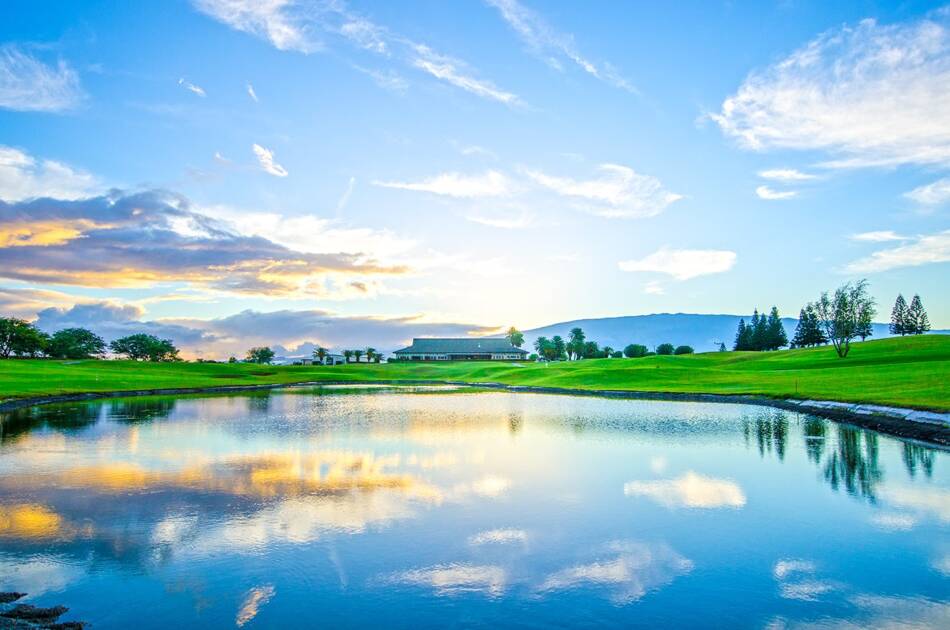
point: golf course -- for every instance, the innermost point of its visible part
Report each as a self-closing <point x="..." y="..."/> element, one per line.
<point x="912" y="371"/>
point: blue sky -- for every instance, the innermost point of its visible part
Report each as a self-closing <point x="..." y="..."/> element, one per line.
<point x="391" y="169"/>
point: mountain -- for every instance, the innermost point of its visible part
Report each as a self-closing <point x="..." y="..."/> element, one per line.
<point x="702" y="332"/>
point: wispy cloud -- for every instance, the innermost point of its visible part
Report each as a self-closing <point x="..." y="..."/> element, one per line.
<point x="24" y="177"/>
<point x="295" y="25"/>
<point x="786" y="175"/>
<point x="922" y="250"/>
<point x="764" y="192"/>
<point x="252" y="93"/>
<point x="618" y="192"/>
<point x="345" y="197"/>
<point x="506" y="221"/>
<point x="880" y="236"/>
<point x="267" y="162"/>
<point x="191" y="87"/>
<point x="869" y="94"/>
<point x="488" y="184"/>
<point x="934" y="194"/>
<point x="653" y="288"/>
<point x="28" y="84"/>
<point x="551" y="46"/>
<point x="689" y="490"/>
<point x="683" y="264"/>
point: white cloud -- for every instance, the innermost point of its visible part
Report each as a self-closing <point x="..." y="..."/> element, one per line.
<point x="253" y="600"/>
<point x="619" y="192"/>
<point x="880" y="236"/>
<point x="786" y="175"/>
<point x="452" y="71"/>
<point x="452" y="579"/>
<point x="266" y="159"/>
<point x="894" y="521"/>
<point x="24" y="177"/>
<point x="869" y="94"/>
<point x="499" y="536"/>
<point x="764" y="192"/>
<point x="689" y="490"/>
<point x="785" y="568"/>
<point x="933" y="194"/>
<point x="252" y="93"/>
<point x="653" y="288"/>
<point x="489" y="184"/>
<point x="278" y="21"/>
<point x="924" y="250"/>
<point x="191" y="87"/>
<point x="683" y="264"/>
<point x="550" y="45"/>
<point x="503" y="221"/>
<point x="27" y="84"/>
<point x="388" y="80"/>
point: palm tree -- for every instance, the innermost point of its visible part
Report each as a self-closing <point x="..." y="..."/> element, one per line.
<point x="320" y="354"/>
<point x="357" y="354"/>
<point x="370" y="354"/>
<point x="347" y="354"/>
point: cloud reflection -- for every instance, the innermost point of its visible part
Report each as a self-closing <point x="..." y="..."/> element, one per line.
<point x="452" y="579"/>
<point x="689" y="490"/>
<point x="253" y="601"/>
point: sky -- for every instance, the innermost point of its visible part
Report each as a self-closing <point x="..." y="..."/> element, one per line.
<point x="231" y="172"/>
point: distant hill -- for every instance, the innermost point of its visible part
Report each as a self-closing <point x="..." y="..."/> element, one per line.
<point x="702" y="332"/>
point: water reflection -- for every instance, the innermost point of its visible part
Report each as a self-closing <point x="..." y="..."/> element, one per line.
<point x="252" y="510"/>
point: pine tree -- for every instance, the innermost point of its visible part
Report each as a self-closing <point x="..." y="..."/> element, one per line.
<point x="775" y="331"/>
<point x="899" y="317"/>
<point x="722" y="347"/>
<point x="799" y="340"/>
<point x="917" y="322"/>
<point x="760" y="332"/>
<point x="816" y="336"/>
<point x="742" y="337"/>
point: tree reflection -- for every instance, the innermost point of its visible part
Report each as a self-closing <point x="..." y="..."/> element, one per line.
<point x="64" y="418"/>
<point x="814" y="430"/>
<point x="140" y="410"/>
<point x="854" y="463"/>
<point x="771" y="433"/>
<point x="917" y="456"/>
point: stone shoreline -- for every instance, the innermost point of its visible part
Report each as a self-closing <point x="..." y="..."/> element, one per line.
<point x="927" y="426"/>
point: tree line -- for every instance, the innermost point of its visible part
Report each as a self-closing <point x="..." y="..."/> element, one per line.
<point x="20" y="338"/>
<point x="577" y="347"/>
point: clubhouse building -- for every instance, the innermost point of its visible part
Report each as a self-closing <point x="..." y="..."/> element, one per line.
<point x="462" y="349"/>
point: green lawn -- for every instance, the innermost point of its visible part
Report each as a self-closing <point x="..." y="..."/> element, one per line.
<point x="907" y="371"/>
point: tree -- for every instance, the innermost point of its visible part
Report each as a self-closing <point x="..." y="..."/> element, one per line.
<point x="899" y="317"/>
<point x="808" y="332"/>
<point x="743" y="337"/>
<point x="608" y="351"/>
<point x="19" y="337"/>
<point x="140" y="347"/>
<point x="722" y="347"/>
<point x="232" y="359"/>
<point x="30" y="342"/>
<point x="559" y="347"/>
<point x="575" y="344"/>
<point x="357" y="354"/>
<point x="617" y="355"/>
<point x="347" y="354"/>
<point x="635" y="350"/>
<point x="320" y="354"/>
<point x="260" y="354"/>
<point x="75" y="343"/>
<point x="665" y="348"/>
<point x="865" y="323"/>
<point x="775" y="332"/>
<point x="683" y="350"/>
<point x="840" y="315"/>
<point x="917" y="320"/>
<point x="591" y="350"/>
<point x="371" y="354"/>
<point x="541" y="345"/>
<point x="515" y="337"/>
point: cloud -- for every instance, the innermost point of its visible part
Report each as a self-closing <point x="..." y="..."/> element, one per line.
<point x="629" y="571"/>
<point x="689" y="490"/>
<point x="764" y="192"/>
<point x="294" y="25"/>
<point x="880" y="236"/>
<point x="499" y="537"/>
<point x="144" y="238"/>
<point x="453" y="579"/>
<point x="619" y="192"/>
<point x="786" y="175"/>
<point x="278" y="21"/>
<point x="388" y="80"/>
<point x="923" y="250"/>
<point x="504" y="221"/>
<point x="191" y="87"/>
<point x="24" y="303"/>
<point x="868" y="94"/>
<point x="933" y="194"/>
<point x="253" y="600"/>
<point x="653" y="288"/>
<point x="111" y="321"/>
<point x="454" y="72"/>
<point x="266" y="159"/>
<point x="551" y="46"/>
<point x="27" y="84"/>
<point x="683" y="264"/>
<point x="488" y="184"/>
<point x="252" y="93"/>
<point x="894" y="521"/>
<point x="24" y="177"/>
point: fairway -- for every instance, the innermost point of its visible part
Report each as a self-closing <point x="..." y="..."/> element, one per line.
<point x="903" y="371"/>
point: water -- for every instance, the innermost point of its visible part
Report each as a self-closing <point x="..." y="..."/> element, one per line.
<point x="431" y="507"/>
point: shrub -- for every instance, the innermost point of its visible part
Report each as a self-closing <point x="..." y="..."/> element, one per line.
<point x="664" y="348"/>
<point x="683" y="350"/>
<point x="635" y="350"/>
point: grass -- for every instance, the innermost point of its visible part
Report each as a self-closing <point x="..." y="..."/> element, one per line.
<point x="903" y="371"/>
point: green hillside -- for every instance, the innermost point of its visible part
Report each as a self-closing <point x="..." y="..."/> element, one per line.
<point x="904" y="371"/>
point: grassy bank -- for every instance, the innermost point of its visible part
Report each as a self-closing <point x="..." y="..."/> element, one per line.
<point x="908" y="371"/>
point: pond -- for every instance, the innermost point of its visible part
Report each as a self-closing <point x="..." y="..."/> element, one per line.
<point x="436" y="507"/>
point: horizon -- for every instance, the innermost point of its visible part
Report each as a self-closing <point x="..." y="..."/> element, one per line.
<point x="304" y="172"/>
